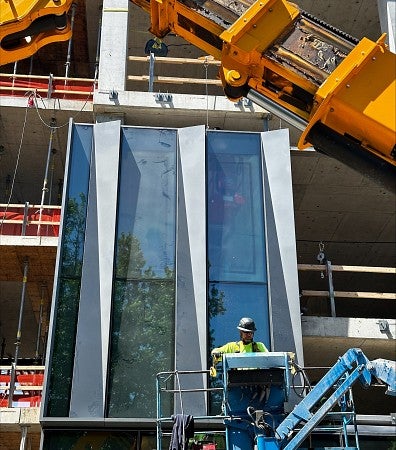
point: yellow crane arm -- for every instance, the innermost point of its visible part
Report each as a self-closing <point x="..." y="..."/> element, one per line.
<point x="340" y="92"/>
<point x="28" y="25"/>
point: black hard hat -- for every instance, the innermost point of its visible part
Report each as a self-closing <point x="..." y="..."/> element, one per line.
<point x="246" y="324"/>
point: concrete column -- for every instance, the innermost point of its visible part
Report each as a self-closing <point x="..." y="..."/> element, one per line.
<point x="113" y="45"/>
<point x="387" y="15"/>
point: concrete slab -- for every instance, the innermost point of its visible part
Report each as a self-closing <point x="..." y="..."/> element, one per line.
<point x="342" y="327"/>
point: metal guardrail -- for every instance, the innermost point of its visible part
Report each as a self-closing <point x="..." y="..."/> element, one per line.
<point x="21" y="386"/>
<point x="29" y="220"/>
<point x="50" y="86"/>
<point x="170" y="383"/>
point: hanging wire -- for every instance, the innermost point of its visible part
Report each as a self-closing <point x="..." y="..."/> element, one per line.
<point x="306" y="387"/>
<point x="16" y="168"/>
<point x="206" y="65"/>
<point x="33" y="98"/>
<point x="48" y="125"/>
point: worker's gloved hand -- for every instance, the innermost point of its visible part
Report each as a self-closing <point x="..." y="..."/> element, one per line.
<point x="216" y="357"/>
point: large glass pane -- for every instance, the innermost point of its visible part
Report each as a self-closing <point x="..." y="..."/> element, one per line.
<point x="61" y="366"/>
<point x="142" y="339"/>
<point x="69" y="275"/>
<point x="90" y="439"/>
<point x="73" y="231"/>
<point x="235" y="208"/>
<point x="236" y="242"/>
<point x="146" y="209"/>
<point x="142" y="345"/>
<point x="228" y="302"/>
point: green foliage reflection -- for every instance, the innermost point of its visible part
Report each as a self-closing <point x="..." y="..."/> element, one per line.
<point x="90" y="440"/>
<point x="73" y="234"/>
<point x="142" y="332"/>
<point x="68" y="297"/>
<point x="216" y="308"/>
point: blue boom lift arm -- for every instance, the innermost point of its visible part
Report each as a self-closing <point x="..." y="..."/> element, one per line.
<point x="355" y="365"/>
<point x="259" y="384"/>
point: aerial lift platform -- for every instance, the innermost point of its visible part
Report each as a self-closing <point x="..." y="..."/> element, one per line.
<point x="256" y="395"/>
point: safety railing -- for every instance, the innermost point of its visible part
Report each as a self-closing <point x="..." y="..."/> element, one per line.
<point x="172" y="383"/>
<point x="327" y="270"/>
<point x="47" y="86"/>
<point x="21" y="386"/>
<point x="29" y="220"/>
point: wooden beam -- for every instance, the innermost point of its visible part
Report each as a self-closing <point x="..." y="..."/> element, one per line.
<point x="54" y="91"/>
<point x="21" y="388"/>
<point x="45" y="77"/>
<point x="28" y="222"/>
<point x="31" y="368"/>
<point x="174" y="80"/>
<point x="338" y="268"/>
<point x="347" y="294"/>
<point x="30" y="206"/>
<point x="166" y="60"/>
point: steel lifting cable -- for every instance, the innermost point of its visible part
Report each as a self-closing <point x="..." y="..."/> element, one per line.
<point x="15" y="170"/>
<point x="206" y="91"/>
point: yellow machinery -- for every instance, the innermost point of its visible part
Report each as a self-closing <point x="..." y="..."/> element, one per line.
<point x="28" y="25"/>
<point x="340" y="92"/>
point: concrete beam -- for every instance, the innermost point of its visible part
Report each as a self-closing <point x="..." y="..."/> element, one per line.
<point x="345" y="327"/>
<point x="179" y="110"/>
<point x="11" y="419"/>
<point x="113" y="45"/>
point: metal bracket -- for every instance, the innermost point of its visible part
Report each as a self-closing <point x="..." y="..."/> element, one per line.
<point x="245" y="102"/>
<point x="383" y="325"/>
<point x="113" y="94"/>
<point x="163" y="98"/>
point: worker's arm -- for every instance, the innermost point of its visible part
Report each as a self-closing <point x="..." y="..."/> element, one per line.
<point x="230" y="347"/>
<point x="261" y="347"/>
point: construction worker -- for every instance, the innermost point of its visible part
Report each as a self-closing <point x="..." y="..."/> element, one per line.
<point x="246" y="327"/>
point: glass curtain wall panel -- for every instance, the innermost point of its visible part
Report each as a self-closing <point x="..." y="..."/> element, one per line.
<point x="142" y="337"/>
<point x="70" y="265"/>
<point x="90" y="439"/>
<point x="237" y="284"/>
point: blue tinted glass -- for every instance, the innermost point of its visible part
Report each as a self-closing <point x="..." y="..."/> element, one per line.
<point x="146" y="210"/>
<point x="142" y="338"/>
<point x="235" y="208"/>
<point x="59" y="381"/>
<point x="75" y="210"/>
<point x="229" y="302"/>
<point x="70" y="266"/>
<point x="236" y="241"/>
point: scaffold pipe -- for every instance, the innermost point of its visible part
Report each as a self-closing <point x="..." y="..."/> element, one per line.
<point x="19" y="333"/>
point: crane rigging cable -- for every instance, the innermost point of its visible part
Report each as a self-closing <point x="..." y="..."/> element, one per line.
<point x="15" y="170"/>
